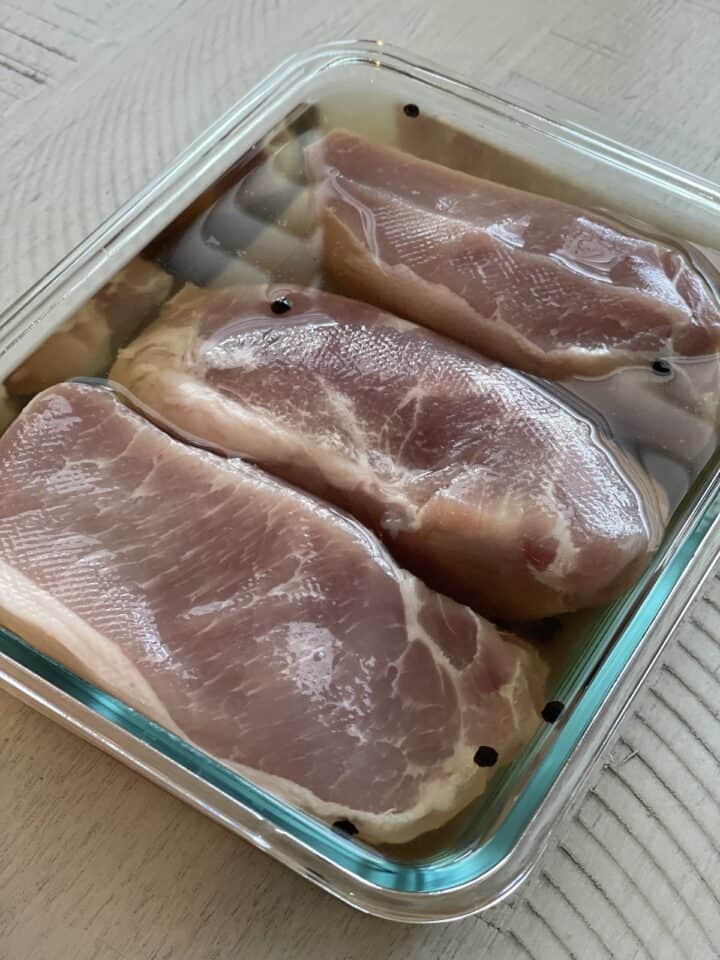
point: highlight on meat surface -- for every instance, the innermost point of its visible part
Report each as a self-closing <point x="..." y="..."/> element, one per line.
<point x="536" y="283"/>
<point x="263" y="626"/>
<point x="85" y="344"/>
<point x="479" y="480"/>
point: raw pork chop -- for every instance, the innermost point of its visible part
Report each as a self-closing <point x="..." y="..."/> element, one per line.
<point x="84" y="346"/>
<point x="480" y="481"/>
<point x="541" y="285"/>
<point x="268" y="629"/>
<point x="9" y="409"/>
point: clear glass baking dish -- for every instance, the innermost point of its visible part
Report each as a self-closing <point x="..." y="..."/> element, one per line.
<point x="604" y="656"/>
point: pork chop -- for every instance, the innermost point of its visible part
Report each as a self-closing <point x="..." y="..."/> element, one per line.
<point x="86" y="343"/>
<point x="539" y="284"/>
<point x="265" y="627"/>
<point x="478" y="479"/>
<point x="9" y="409"/>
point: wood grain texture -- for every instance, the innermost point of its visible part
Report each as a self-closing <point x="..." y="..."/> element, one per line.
<point x="97" y="864"/>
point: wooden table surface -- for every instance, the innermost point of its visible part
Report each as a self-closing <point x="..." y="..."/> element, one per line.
<point x="95" y="97"/>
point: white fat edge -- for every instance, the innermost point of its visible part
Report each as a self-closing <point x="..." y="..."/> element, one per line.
<point x="390" y="826"/>
<point x="53" y="629"/>
<point x="266" y="440"/>
<point x="455" y="783"/>
<point x="567" y="553"/>
<point x="140" y="360"/>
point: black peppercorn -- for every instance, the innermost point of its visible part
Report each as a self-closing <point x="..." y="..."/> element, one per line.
<point x="662" y="368"/>
<point x="281" y="305"/>
<point x="346" y="827"/>
<point x="486" y="756"/>
<point x="552" y="710"/>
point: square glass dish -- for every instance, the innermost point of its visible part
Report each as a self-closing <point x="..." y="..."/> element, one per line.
<point x="598" y="659"/>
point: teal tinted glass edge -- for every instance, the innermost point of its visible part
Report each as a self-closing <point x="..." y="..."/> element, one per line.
<point x="448" y="872"/>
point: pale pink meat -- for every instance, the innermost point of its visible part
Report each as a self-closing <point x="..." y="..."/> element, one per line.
<point x="265" y="627"/>
<point x="479" y="480"/>
<point x="86" y="343"/>
<point x="541" y="285"/>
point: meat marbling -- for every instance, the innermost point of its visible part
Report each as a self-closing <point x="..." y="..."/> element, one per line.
<point x="265" y="627"/>
<point x="478" y="479"/>
<point x="539" y="284"/>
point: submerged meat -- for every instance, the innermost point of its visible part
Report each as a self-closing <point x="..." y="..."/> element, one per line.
<point x="478" y="479"/>
<point x="9" y="409"/>
<point x="84" y="346"/>
<point x="541" y="285"/>
<point x="268" y="629"/>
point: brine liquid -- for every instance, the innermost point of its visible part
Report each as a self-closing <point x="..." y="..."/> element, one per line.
<point x="256" y="225"/>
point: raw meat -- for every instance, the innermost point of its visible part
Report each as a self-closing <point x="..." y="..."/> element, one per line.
<point x="541" y="285"/>
<point x="477" y="478"/>
<point x="9" y="409"/>
<point x="265" y="627"/>
<point x="84" y="346"/>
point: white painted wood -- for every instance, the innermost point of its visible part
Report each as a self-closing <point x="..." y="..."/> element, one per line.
<point x="97" y="864"/>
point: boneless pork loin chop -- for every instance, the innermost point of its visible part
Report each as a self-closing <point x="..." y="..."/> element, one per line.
<point x="477" y="478"/>
<point x="267" y="628"/>
<point x="541" y="285"/>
